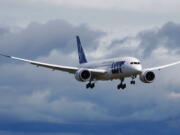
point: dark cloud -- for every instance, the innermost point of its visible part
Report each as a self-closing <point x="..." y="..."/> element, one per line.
<point x="149" y="40"/>
<point x="166" y="36"/>
<point x="121" y="48"/>
<point x="40" y="39"/>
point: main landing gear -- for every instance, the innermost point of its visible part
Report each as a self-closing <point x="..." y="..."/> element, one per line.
<point x="121" y="85"/>
<point x="133" y="82"/>
<point x="90" y="85"/>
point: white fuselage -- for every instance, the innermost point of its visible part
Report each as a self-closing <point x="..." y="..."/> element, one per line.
<point x="116" y="68"/>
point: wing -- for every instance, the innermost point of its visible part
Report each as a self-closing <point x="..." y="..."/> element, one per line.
<point x="55" y="67"/>
<point x="164" y="66"/>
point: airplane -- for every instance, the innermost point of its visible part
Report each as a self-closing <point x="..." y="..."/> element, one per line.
<point x="109" y="69"/>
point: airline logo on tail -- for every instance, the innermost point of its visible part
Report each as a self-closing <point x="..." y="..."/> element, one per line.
<point x="82" y="57"/>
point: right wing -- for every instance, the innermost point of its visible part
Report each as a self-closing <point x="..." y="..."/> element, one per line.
<point x="56" y="67"/>
<point x="164" y="66"/>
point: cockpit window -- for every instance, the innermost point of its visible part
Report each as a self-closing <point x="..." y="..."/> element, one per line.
<point x="136" y="63"/>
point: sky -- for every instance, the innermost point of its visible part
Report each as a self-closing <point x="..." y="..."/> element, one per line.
<point x="35" y="101"/>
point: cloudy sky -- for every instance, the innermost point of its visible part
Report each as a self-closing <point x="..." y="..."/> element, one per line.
<point x="35" y="101"/>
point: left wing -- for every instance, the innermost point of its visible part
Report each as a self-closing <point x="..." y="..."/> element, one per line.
<point x="56" y="67"/>
<point x="162" y="67"/>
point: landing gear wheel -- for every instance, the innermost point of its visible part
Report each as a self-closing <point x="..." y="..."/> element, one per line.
<point x="119" y="86"/>
<point x="133" y="82"/>
<point x="90" y="85"/>
<point x="123" y="86"/>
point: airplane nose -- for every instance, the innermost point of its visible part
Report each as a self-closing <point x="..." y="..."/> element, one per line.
<point x="138" y="69"/>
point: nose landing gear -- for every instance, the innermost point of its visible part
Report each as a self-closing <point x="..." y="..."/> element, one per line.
<point x="133" y="81"/>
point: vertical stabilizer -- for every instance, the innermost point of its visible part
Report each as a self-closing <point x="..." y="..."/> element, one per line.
<point x="82" y="57"/>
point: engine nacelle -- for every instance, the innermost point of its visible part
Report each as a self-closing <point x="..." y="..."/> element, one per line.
<point x="147" y="76"/>
<point x="83" y="75"/>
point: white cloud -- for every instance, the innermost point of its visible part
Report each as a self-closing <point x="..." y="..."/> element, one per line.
<point x="174" y="95"/>
<point x="153" y="6"/>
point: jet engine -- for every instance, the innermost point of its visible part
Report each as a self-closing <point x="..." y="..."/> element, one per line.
<point x="83" y="75"/>
<point x="147" y="76"/>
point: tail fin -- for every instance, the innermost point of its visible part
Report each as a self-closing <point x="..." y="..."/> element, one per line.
<point x="82" y="57"/>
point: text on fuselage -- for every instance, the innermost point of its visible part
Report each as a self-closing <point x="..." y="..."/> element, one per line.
<point x="116" y="67"/>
